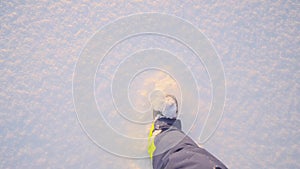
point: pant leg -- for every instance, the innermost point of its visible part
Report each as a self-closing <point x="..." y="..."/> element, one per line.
<point x="176" y="150"/>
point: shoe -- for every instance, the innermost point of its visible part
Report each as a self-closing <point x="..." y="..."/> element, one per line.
<point x="166" y="107"/>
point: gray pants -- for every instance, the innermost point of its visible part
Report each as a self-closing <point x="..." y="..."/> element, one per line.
<point x="176" y="150"/>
